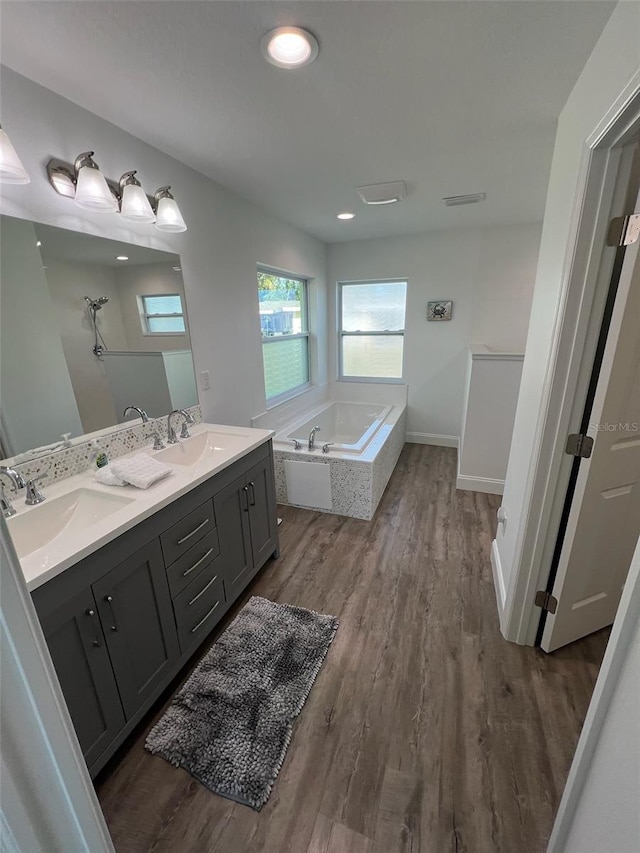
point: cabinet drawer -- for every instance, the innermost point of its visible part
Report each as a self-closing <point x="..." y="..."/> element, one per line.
<point x="181" y="536"/>
<point x="199" y="606"/>
<point x="188" y="567"/>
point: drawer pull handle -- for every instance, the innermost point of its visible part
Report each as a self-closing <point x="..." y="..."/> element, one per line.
<point x="195" y="565"/>
<point x="202" y="591"/>
<point x="245" y="489"/>
<point x="193" y="532"/>
<point x="252" y="486"/>
<point x="96" y="642"/>
<point x="109" y="601"/>
<point x="204" y="618"/>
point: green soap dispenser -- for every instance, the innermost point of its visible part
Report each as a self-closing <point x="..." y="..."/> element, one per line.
<point x="99" y="454"/>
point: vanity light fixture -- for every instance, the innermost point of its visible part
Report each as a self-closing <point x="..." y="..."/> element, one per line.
<point x="11" y="169"/>
<point x="346" y="216"/>
<point x="92" y="189"/>
<point x="168" y="216"/>
<point x="134" y="204"/>
<point x="84" y="182"/>
<point x="122" y="257"/>
<point x="289" y="47"/>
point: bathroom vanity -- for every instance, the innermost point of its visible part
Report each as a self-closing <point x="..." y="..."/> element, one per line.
<point x="145" y="586"/>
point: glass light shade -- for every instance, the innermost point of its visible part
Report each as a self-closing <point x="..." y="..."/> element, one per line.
<point x="92" y="191"/>
<point x="169" y="217"/>
<point x="135" y="205"/>
<point x="11" y="169"/>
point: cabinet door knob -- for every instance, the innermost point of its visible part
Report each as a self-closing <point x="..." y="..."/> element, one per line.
<point x="109" y="600"/>
<point x="92" y="614"/>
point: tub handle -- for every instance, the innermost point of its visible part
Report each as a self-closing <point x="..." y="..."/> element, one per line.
<point x="325" y="447"/>
<point x="296" y="444"/>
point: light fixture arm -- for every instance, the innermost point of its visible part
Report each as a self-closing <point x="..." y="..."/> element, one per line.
<point x="85" y="159"/>
<point x="129" y="179"/>
<point x="163" y="192"/>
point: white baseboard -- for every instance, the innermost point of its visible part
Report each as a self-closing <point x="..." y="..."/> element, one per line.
<point x="498" y="579"/>
<point x="480" y="484"/>
<point x="432" y="438"/>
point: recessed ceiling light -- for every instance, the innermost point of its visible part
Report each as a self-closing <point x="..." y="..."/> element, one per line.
<point x="122" y="257"/>
<point x="38" y="243"/>
<point x="289" y="47"/>
<point x="346" y="216"/>
<point x="177" y="269"/>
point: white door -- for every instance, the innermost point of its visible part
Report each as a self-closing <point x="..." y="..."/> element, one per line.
<point x="604" y="520"/>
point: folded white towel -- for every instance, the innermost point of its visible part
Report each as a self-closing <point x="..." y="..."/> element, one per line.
<point x="108" y="478"/>
<point x="141" y="470"/>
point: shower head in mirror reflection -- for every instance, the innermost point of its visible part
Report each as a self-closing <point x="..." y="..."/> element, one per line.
<point x="76" y="391"/>
<point x="96" y="304"/>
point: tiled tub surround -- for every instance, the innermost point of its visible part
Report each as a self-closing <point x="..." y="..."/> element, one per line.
<point x="72" y="545"/>
<point x="116" y="441"/>
<point x="358" y="479"/>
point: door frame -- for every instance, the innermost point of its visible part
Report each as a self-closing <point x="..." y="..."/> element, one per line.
<point x="574" y="347"/>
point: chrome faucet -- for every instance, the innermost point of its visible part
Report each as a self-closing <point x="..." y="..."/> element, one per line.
<point x="172" y="438"/>
<point x="312" y="437"/>
<point x="141" y="412"/>
<point x="17" y="481"/>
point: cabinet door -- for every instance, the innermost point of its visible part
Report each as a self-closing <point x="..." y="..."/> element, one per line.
<point x="135" y="610"/>
<point x="80" y="657"/>
<point x="232" y="516"/>
<point x="262" y="512"/>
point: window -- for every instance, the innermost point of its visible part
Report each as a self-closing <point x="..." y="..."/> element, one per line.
<point x="162" y="315"/>
<point x="372" y="329"/>
<point x="285" y="333"/>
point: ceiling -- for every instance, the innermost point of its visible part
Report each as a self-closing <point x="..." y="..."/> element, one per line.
<point x="59" y="244"/>
<point x="451" y="97"/>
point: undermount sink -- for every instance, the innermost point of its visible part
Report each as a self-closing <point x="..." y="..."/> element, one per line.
<point x="76" y="511"/>
<point x="210" y="443"/>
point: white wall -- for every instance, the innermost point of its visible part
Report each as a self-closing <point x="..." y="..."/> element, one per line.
<point x="611" y="65"/>
<point x="227" y="237"/>
<point x="493" y="381"/>
<point x="488" y="273"/>
<point x="34" y="376"/>
<point x="69" y="282"/>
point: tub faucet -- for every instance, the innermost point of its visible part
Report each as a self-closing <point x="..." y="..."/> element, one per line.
<point x="312" y="437"/>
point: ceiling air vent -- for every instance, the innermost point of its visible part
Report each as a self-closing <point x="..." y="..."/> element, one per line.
<point x="383" y="193"/>
<point x="455" y="200"/>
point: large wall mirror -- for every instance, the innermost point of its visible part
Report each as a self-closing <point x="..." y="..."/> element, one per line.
<point x="87" y="327"/>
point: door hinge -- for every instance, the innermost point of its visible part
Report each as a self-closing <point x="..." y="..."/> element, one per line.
<point x="546" y="601"/>
<point x="624" y="230"/>
<point x="579" y="444"/>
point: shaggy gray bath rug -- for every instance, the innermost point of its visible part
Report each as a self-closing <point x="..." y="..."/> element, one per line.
<point x="231" y="722"/>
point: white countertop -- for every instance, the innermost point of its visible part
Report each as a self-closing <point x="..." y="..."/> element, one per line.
<point x="68" y="547"/>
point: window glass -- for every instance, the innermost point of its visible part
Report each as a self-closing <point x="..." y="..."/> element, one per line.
<point x="372" y="317"/>
<point x="283" y="323"/>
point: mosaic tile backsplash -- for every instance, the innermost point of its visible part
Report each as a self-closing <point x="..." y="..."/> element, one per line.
<point x="74" y="460"/>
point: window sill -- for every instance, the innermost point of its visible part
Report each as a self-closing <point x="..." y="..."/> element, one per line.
<point x="382" y="380"/>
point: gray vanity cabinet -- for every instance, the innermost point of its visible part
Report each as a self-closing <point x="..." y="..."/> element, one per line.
<point x="232" y="516"/>
<point x="123" y="621"/>
<point x="246" y="517"/>
<point x="79" y="653"/>
<point x="137" y="617"/>
<point x="262" y="512"/>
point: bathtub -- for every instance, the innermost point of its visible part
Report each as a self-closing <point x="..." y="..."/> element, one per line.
<point x="347" y="427"/>
<point x="364" y="442"/>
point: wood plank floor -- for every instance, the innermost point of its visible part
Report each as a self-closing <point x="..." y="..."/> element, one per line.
<point x="425" y="730"/>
